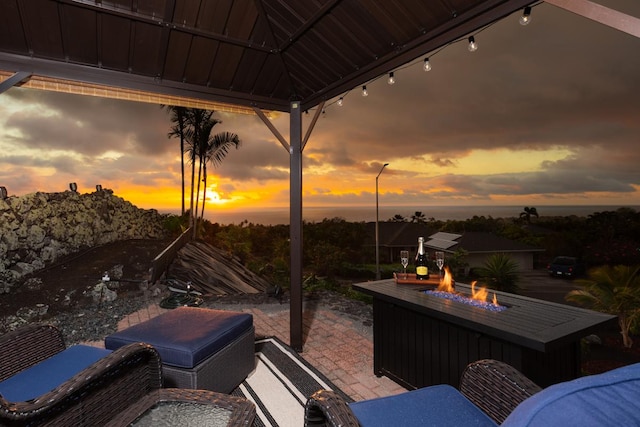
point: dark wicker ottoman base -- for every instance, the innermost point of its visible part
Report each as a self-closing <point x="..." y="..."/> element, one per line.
<point x="200" y="348"/>
<point x="221" y="372"/>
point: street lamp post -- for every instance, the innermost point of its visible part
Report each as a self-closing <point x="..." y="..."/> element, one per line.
<point x="377" y="234"/>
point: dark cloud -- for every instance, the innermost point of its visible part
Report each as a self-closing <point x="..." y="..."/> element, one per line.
<point x="562" y="83"/>
<point x="88" y="125"/>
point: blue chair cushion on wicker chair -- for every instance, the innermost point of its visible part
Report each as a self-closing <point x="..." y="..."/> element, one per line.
<point x="440" y="405"/>
<point x="50" y="373"/>
<point x="504" y="397"/>
<point x="611" y="398"/>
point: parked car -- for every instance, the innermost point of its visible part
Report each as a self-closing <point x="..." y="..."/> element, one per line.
<point x="565" y="266"/>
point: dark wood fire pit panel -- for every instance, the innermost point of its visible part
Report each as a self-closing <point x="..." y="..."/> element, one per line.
<point x="421" y="340"/>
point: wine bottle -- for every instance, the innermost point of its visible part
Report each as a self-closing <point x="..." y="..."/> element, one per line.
<point x="422" y="270"/>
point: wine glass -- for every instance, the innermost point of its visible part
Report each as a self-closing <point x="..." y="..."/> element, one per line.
<point x="440" y="261"/>
<point x="404" y="259"/>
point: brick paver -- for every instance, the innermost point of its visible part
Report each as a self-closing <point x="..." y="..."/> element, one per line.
<point x="333" y="344"/>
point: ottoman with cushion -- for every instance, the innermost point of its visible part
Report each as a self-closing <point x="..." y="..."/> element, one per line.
<point x="200" y="348"/>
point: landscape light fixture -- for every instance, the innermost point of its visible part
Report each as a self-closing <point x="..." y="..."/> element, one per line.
<point x="340" y="102"/>
<point x="3" y="193"/>
<point x="473" y="46"/>
<point x="426" y="65"/>
<point x="73" y="186"/>
<point x="98" y="187"/>
<point x="526" y="16"/>
<point x="391" y="79"/>
<point x="365" y="92"/>
<point x="377" y="233"/>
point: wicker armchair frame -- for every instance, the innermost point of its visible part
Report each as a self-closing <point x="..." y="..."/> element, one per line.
<point x="27" y="346"/>
<point x="493" y="386"/>
<point x="117" y="387"/>
<point x="327" y="408"/>
<point x="496" y="387"/>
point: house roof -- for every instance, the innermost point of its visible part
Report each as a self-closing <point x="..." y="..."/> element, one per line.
<point x="248" y="53"/>
<point x="402" y="234"/>
<point x="482" y="242"/>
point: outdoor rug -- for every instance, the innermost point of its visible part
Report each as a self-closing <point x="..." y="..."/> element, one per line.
<point x="280" y="385"/>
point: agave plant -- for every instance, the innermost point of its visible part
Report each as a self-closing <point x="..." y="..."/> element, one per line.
<point x="500" y="272"/>
<point x="613" y="290"/>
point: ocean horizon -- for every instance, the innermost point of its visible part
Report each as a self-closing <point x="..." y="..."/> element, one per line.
<point x="274" y="216"/>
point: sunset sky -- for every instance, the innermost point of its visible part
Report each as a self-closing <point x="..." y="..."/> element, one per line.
<point x="547" y="114"/>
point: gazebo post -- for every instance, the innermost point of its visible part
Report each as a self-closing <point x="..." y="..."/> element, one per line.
<point x="295" y="227"/>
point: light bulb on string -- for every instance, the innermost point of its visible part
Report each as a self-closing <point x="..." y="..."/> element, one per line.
<point x="391" y="79"/>
<point x="526" y="16"/>
<point x="365" y="92"/>
<point x="340" y="101"/>
<point x="426" y="65"/>
<point x="473" y="46"/>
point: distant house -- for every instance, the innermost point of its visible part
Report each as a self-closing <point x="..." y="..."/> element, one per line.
<point x="481" y="245"/>
<point x="397" y="236"/>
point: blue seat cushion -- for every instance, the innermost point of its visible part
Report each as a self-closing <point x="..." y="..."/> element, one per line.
<point x="50" y="373"/>
<point x="185" y="336"/>
<point x="609" y="399"/>
<point x="439" y="405"/>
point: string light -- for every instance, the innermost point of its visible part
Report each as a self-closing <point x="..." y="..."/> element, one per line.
<point x="526" y="16"/>
<point x="392" y="79"/>
<point x="473" y="46"/>
<point x="426" y="65"/>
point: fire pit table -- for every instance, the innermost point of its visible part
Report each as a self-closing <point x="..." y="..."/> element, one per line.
<point x="422" y="340"/>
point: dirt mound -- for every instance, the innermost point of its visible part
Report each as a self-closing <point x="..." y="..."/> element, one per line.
<point x="67" y="284"/>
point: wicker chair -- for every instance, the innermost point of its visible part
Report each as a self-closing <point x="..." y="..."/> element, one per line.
<point x="113" y="391"/>
<point x="494" y="387"/>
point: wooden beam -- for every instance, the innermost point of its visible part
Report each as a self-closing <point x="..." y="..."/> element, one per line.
<point x="604" y="15"/>
<point x="15" y="80"/>
<point x="313" y="124"/>
<point x="272" y="128"/>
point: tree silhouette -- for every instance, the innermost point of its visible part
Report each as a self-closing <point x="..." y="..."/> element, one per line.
<point x="397" y="218"/>
<point x="217" y="149"/>
<point x="418" y="217"/>
<point x="528" y="213"/>
<point x="179" y="120"/>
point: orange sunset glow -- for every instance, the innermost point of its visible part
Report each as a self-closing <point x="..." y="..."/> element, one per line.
<point x="520" y="122"/>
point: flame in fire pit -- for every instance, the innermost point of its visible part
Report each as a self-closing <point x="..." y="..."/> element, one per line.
<point x="478" y="297"/>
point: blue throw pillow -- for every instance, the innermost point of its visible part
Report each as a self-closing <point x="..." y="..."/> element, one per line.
<point x="609" y="399"/>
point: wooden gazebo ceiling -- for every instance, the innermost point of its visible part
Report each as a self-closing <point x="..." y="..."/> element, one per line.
<point x="251" y="53"/>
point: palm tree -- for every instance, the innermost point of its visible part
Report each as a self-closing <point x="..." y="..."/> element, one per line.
<point x="179" y="119"/>
<point x="216" y="151"/>
<point x="398" y="218"/>
<point x="500" y="272"/>
<point x="202" y="151"/>
<point x="199" y="124"/>
<point x="418" y="217"/>
<point x="194" y="127"/>
<point x="528" y="213"/>
<point x="613" y="290"/>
